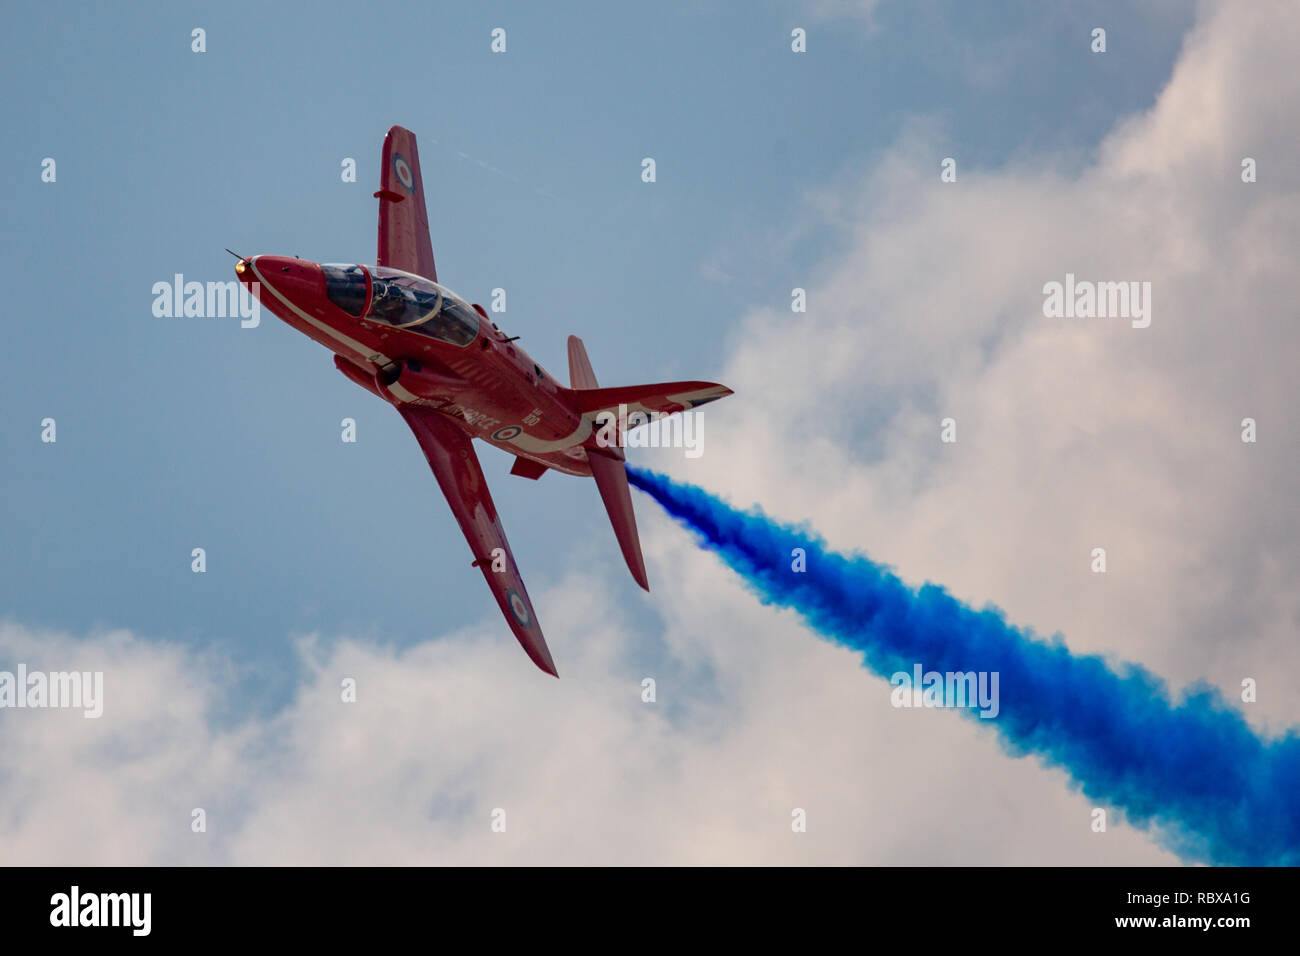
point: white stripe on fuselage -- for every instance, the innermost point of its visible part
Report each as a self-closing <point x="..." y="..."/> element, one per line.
<point x="540" y="446"/>
<point x="366" y="353"/>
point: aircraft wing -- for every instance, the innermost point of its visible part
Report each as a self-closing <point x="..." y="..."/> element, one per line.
<point x="450" y="453"/>
<point x="404" y="241"/>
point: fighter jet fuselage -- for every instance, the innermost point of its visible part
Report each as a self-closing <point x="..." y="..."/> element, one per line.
<point x="454" y="376"/>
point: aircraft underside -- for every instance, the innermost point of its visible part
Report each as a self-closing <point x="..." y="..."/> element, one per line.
<point x="454" y="376"/>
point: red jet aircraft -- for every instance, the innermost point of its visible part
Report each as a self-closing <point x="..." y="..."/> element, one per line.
<point x="454" y="376"/>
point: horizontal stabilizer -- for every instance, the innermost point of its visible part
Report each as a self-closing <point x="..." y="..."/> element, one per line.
<point x="607" y="467"/>
<point x="611" y="478"/>
<point x="661" y="397"/>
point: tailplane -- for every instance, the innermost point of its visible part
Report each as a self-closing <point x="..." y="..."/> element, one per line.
<point x="662" y="398"/>
<point x="610" y="473"/>
<point x="607" y="467"/>
<point x="611" y="478"/>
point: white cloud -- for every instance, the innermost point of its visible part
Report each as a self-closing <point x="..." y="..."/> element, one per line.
<point x="1072" y="434"/>
<point x="444" y="733"/>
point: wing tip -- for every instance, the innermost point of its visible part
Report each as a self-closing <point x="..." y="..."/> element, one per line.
<point x="534" y="644"/>
<point x="542" y="658"/>
<point x="638" y="572"/>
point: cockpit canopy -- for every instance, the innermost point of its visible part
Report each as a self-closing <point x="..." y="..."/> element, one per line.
<point x="401" y="300"/>
<point x="346" y="287"/>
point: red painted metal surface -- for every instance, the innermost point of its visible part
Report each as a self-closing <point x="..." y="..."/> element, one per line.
<point x="454" y="376"/>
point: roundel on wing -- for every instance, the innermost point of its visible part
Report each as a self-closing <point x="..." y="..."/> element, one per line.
<point x="507" y="433"/>
<point x="403" y="170"/>
<point x="518" y="608"/>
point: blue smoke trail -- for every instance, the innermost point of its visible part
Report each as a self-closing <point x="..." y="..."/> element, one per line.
<point x="1194" y="770"/>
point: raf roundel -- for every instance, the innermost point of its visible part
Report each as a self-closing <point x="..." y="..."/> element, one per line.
<point x="507" y="433"/>
<point x="403" y="172"/>
<point x="518" y="608"/>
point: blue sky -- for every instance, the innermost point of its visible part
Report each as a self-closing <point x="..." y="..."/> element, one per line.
<point x="182" y="433"/>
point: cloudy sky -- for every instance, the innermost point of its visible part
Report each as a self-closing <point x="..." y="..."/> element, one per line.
<point x="776" y="170"/>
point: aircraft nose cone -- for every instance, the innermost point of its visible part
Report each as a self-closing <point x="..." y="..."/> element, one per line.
<point x="296" y="280"/>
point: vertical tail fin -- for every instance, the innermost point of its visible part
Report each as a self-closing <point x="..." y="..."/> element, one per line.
<point x="580" y="373"/>
<point x="610" y="473"/>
